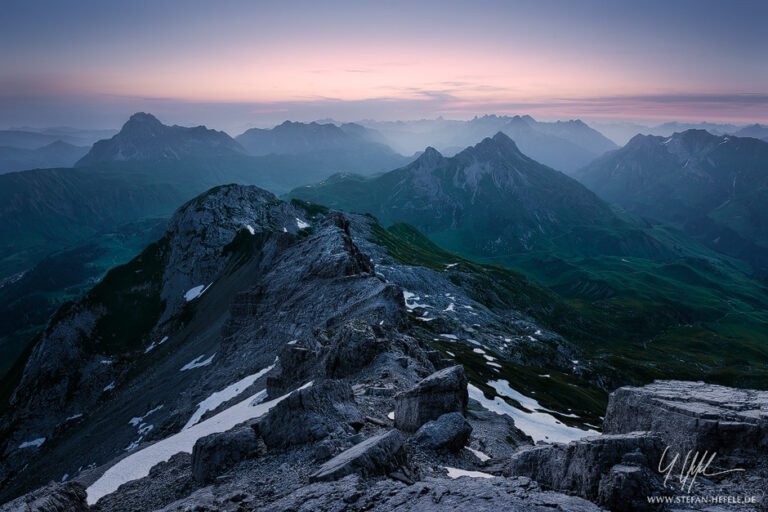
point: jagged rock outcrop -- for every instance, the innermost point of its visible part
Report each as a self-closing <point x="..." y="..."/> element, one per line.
<point x="376" y="455"/>
<point x="353" y="347"/>
<point x="448" y="432"/>
<point x="695" y="416"/>
<point x="310" y="414"/>
<point x="215" y="453"/>
<point x="580" y="467"/>
<point x="442" y="392"/>
<point x="54" y="497"/>
<point x="201" y="229"/>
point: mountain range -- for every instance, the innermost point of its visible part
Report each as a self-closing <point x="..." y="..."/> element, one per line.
<point x="713" y="187"/>
<point x="563" y="145"/>
<point x="493" y="204"/>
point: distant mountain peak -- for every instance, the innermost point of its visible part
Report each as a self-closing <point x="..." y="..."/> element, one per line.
<point x="498" y="147"/>
<point x="143" y="117"/>
<point x="144" y="137"/>
<point x="429" y="158"/>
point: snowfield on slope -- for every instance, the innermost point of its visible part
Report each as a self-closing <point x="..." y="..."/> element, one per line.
<point x="226" y="394"/>
<point x="138" y="464"/>
<point x="541" y="426"/>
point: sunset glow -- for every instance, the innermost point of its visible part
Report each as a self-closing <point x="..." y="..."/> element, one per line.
<point x="567" y="59"/>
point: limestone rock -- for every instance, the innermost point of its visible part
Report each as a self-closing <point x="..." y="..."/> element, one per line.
<point x="448" y="432"/>
<point x="695" y="416"/>
<point x="54" y="497"/>
<point x="442" y="392"/>
<point x="310" y="414"/>
<point x="375" y="456"/>
<point x="579" y="466"/>
<point x="212" y="455"/>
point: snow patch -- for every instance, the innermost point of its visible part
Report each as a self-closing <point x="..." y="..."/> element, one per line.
<point x="533" y="419"/>
<point x="458" y="473"/>
<point x="480" y="455"/>
<point x="301" y="224"/>
<point x="225" y="395"/>
<point x="391" y="415"/>
<point x="74" y="416"/>
<point x="35" y="442"/>
<point x="140" y="419"/>
<point x="138" y="464"/>
<point x="250" y="229"/>
<point x="195" y="292"/>
<point x="109" y="386"/>
<point x="410" y="301"/>
<point x="449" y="336"/>
<point x="197" y="363"/>
<point x="153" y="344"/>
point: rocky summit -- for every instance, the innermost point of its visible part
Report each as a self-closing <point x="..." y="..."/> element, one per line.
<point x="265" y="355"/>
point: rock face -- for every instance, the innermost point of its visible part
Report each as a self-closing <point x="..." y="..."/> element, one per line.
<point x="376" y="455"/>
<point x="695" y="416"/>
<point x="518" y="494"/>
<point x="214" y="454"/>
<point x="599" y="468"/>
<point x="442" y="392"/>
<point x="310" y="414"/>
<point x="448" y="432"/>
<point x="66" y="497"/>
<point x="353" y="347"/>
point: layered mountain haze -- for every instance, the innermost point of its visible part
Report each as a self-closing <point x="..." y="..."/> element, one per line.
<point x="712" y="187"/>
<point x="55" y="154"/>
<point x="563" y="145"/>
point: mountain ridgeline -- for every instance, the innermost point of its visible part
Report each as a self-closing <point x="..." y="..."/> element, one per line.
<point x="641" y="281"/>
<point x="489" y="200"/>
<point x="715" y="188"/>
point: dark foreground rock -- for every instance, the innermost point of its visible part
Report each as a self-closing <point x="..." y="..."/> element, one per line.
<point x="694" y="416"/>
<point x="431" y="495"/>
<point x="448" y="432"/>
<point x="54" y="497"/>
<point x="310" y="414"/>
<point x="442" y="392"/>
<point x="376" y="455"/>
<point x="581" y="467"/>
<point x="214" y="454"/>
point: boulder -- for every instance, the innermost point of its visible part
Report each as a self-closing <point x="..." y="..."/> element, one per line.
<point x="695" y="416"/>
<point x="626" y="488"/>
<point x="442" y="392"/>
<point x="448" y="432"/>
<point x="377" y="455"/>
<point x="580" y="467"/>
<point x="54" y="497"/>
<point x="310" y="414"/>
<point x="212" y="455"/>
